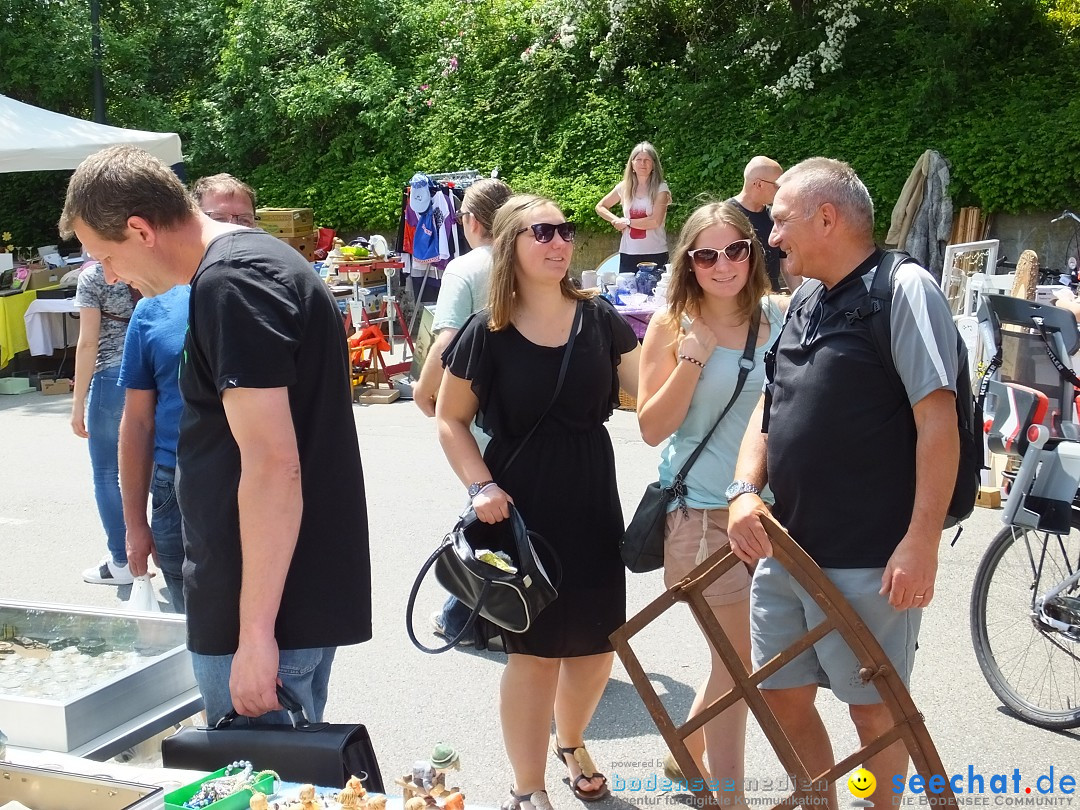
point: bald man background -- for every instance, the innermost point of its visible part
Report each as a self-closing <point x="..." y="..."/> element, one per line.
<point x="759" y="188"/>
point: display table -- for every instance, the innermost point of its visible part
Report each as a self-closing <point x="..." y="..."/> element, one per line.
<point x="12" y="328"/>
<point x="638" y="317"/>
<point x="51" y="324"/>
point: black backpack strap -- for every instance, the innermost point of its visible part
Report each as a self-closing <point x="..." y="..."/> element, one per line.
<point x="805" y="291"/>
<point x="878" y="302"/>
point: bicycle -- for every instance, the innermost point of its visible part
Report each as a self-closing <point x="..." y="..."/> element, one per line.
<point x="1025" y="601"/>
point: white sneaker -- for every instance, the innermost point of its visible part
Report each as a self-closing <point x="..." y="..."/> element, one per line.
<point x="108" y="573"/>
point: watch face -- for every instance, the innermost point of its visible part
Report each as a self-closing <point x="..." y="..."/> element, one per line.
<point x="733" y="490"/>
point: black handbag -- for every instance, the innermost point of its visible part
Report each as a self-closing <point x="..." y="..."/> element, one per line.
<point x="508" y="600"/>
<point x="324" y="754"/>
<point x="642" y="544"/>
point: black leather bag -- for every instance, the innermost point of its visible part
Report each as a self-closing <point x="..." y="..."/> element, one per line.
<point x="510" y="600"/>
<point x="642" y="544"/>
<point x="324" y="754"/>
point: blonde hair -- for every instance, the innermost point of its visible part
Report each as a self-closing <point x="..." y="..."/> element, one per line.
<point x="629" y="187"/>
<point x="684" y="292"/>
<point x="502" y="291"/>
<point x="483" y="198"/>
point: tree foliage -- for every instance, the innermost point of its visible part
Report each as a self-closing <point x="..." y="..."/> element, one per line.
<point x="333" y="104"/>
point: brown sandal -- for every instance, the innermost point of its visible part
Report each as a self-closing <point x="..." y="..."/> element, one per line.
<point x="588" y="771"/>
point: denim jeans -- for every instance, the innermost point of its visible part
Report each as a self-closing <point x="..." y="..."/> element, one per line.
<point x="454" y="615"/>
<point x="168" y="540"/>
<point x="104" y="407"/>
<point x="305" y="673"/>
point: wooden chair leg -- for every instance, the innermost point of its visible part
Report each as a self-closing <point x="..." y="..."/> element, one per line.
<point x="908" y="726"/>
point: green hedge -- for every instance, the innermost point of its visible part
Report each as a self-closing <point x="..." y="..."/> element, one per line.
<point x="335" y="103"/>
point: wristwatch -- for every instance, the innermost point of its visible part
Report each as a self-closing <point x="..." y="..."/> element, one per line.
<point x="737" y="488"/>
<point x="476" y="486"/>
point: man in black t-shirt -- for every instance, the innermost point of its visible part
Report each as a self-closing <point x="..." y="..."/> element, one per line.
<point x="862" y="469"/>
<point x="269" y="480"/>
<point x="758" y="190"/>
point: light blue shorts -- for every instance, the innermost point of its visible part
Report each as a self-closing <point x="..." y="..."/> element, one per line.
<point x="781" y="612"/>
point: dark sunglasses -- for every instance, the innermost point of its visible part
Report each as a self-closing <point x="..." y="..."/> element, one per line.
<point x="544" y="232"/>
<point x="738" y="251"/>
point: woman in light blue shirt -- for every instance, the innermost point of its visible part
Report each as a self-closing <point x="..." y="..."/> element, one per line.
<point x="689" y="368"/>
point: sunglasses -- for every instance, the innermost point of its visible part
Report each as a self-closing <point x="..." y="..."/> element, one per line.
<point x="544" y="232"/>
<point x="738" y="251"/>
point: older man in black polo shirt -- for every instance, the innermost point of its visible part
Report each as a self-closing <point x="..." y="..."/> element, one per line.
<point x="862" y="472"/>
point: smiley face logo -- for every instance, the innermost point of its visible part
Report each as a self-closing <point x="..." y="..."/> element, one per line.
<point x="861" y="783"/>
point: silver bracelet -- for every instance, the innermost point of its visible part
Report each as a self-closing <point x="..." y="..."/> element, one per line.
<point x="693" y="360"/>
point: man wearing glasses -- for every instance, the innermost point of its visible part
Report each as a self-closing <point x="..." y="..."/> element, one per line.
<point x="269" y="477"/>
<point x="223" y="198"/>
<point x="758" y="191"/>
<point x="151" y="422"/>
<point x="861" y="458"/>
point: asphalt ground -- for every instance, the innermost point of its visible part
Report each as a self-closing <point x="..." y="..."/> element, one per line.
<point x="49" y="532"/>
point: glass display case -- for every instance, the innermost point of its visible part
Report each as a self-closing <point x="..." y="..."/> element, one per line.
<point x="71" y="674"/>
<point x="45" y="789"/>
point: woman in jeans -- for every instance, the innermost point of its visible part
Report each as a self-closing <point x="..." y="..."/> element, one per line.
<point x="689" y="367"/>
<point x="98" y="403"/>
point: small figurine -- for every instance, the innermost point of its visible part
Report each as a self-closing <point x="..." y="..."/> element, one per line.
<point x="455" y="801"/>
<point x="307" y="798"/>
<point x="257" y="801"/>
<point x="376" y="801"/>
<point x="443" y="760"/>
<point x="348" y="799"/>
<point x="357" y="785"/>
<point x="416" y="803"/>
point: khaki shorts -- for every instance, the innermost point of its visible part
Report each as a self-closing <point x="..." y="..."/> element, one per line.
<point x="689" y="538"/>
<point x="781" y="612"/>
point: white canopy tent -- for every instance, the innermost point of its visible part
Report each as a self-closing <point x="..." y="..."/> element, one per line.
<point x="33" y="139"/>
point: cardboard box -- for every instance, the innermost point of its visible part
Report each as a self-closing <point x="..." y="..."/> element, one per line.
<point x="988" y="498"/>
<point x="61" y="386"/>
<point x="45" y="277"/>
<point x="304" y="244"/>
<point x="286" y="221"/>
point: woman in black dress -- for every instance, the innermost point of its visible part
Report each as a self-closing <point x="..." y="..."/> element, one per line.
<point x="502" y="370"/>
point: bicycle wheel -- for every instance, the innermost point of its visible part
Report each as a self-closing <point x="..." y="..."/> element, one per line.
<point x="1032" y="665"/>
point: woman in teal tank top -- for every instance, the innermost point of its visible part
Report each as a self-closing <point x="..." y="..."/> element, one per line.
<point x="689" y="368"/>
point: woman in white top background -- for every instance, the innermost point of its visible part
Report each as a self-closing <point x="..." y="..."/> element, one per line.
<point x="644" y="198"/>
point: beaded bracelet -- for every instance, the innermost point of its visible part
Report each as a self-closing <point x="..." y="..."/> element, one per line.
<point x="693" y="360"/>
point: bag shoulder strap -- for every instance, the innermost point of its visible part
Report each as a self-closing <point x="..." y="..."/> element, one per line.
<point x="746" y="363"/>
<point x="558" y="386"/>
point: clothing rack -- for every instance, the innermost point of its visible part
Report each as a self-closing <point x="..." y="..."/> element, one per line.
<point x="461" y="180"/>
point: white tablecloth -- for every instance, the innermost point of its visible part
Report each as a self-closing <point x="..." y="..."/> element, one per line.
<point x="46" y="319"/>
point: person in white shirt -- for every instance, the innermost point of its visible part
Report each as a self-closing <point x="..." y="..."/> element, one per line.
<point x="645" y="198"/>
